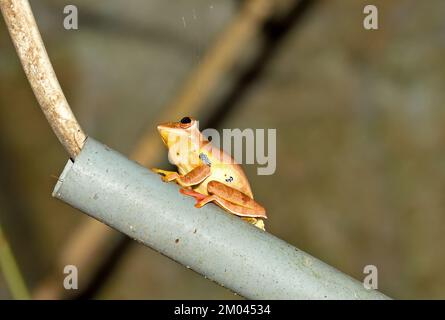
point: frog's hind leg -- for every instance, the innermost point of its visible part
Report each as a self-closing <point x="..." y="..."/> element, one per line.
<point x="233" y="200"/>
<point x="242" y="205"/>
<point x="203" y="199"/>
<point x="189" y="192"/>
<point x="230" y="206"/>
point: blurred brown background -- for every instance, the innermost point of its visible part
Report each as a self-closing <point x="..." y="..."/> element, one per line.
<point x="360" y="132"/>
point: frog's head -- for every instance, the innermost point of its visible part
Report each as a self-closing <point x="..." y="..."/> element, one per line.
<point x="171" y="132"/>
<point x="182" y="139"/>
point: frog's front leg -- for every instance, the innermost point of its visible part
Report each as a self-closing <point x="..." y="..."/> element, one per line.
<point x="232" y="200"/>
<point x="193" y="177"/>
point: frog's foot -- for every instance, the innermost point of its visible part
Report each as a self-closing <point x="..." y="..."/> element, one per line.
<point x="166" y="175"/>
<point x="189" y="192"/>
<point x="193" y="177"/>
<point x="160" y="171"/>
<point x="259" y="223"/>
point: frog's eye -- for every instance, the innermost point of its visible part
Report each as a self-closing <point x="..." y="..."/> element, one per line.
<point x="186" y="120"/>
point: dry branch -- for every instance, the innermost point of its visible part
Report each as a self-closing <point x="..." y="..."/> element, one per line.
<point x="31" y="51"/>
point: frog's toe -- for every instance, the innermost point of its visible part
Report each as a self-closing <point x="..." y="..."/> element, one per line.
<point x="189" y="192"/>
<point x="157" y="170"/>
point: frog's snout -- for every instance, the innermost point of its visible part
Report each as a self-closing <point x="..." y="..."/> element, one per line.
<point x="161" y="128"/>
<point x="163" y="132"/>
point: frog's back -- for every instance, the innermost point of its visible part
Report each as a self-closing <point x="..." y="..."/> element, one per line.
<point x="225" y="170"/>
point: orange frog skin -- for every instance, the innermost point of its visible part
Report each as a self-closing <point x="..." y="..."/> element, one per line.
<point x="206" y="172"/>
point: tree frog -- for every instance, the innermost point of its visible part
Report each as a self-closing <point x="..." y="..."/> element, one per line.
<point x="206" y="172"/>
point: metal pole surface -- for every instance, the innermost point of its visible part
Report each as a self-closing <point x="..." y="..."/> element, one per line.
<point x="221" y="247"/>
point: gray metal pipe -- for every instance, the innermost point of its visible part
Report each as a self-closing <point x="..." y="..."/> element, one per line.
<point x="253" y="263"/>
